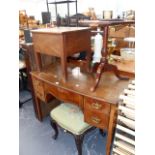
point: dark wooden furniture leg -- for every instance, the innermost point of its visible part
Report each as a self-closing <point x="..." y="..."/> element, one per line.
<point x="54" y="126"/>
<point x="98" y="75"/>
<point x="104" y="65"/>
<point x="79" y="142"/>
<point x="78" y="138"/>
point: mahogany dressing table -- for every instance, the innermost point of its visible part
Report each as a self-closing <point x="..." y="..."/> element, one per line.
<point x="99" y="107"/>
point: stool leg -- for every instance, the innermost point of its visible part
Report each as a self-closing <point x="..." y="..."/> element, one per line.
<point x="54" y="126"/>
<point x="79" y="141"/>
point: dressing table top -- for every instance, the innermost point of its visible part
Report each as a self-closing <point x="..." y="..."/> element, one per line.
<point x="110" y="87"/>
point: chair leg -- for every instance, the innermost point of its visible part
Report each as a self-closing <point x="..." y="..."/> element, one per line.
<point x="79" y="142"/>
<point x="54" y="126"/>
<point x="102" y="132"/>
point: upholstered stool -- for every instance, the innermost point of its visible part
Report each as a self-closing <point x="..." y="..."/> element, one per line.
<point x="70" y="118"/>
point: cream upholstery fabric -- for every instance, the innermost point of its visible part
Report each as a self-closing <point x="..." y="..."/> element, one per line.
<point x="70" y="118"/>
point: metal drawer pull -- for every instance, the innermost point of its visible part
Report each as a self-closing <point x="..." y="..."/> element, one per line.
<point x="96" y="120"/>
<point x="96" y="105"/>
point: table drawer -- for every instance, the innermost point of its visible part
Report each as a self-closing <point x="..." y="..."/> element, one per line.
<point x="96" y="119"/>
<point x="51" y="90"/>
<point x="64" y="95"/>
<point x="97" y="106"/>
<point x="38" y="88"/>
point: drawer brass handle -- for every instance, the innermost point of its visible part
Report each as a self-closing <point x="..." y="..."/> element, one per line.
<point x="96" y="105"/>
<point x="96" y="120"/>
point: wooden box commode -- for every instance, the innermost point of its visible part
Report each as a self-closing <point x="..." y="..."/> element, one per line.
<point x="61" y="42"/>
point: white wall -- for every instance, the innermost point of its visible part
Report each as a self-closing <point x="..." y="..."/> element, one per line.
<point x="35" y="7"/>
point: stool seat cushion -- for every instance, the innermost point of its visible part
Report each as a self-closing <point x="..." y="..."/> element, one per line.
<point x="70" y="118"/>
